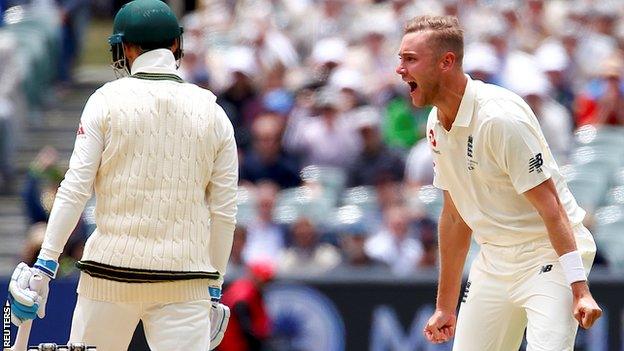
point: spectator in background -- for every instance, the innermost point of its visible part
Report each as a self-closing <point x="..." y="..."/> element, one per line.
<point x="193" y="68"/>
<point x="349" y="82"/>
<point x="236" y="264"/>
<point x="265" y="238"/>
<point x="602" y="102"/>
<point x="327" y="56"/>
<point x="554" y="119"/>
<point x="597" y="43"/>
<point x="569" y="36"/>
<point x="481" y="62"/>
<point x="323" y="19"/>
<point x="402" y="124"/>
<point x="7" y="172"/>
<point x="249" y="328"/>
<point x="270" y="47"/>
<point x="352" y="240"/>
<point x="372" y="56"/>
<point x="276" y="97"/>
<point x="266" y="160"/>
<point x="553" y="59"/>
<point x="75" y="15"/>
<point x="10" y="80"/>
<point x="241" y="99"/>
<point x="376" y="163"/>
<point x="43" y="178"/>
<point x="307" y="255"/>
<point x="495" y="36"/>
<point x="389" y="194"/>
<point x="396" y="244"/>
<point x="326" y="140"/>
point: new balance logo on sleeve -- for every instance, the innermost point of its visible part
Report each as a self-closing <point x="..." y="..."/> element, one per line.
<point x="535" y="163"/>
<point x="545" y="269"/>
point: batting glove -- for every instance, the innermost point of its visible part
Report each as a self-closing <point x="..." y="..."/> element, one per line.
<point x="219" y="318"/>
<point x="28" y="290"/>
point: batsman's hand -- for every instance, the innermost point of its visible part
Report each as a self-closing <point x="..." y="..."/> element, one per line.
<point x="219" y="318"/>
<point x="586" y="310"/>
<point x="440" y="327"/>
<point x="28" y="290"/>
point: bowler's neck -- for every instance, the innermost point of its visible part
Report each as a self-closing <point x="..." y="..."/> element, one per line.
<point x="451" y="94"/>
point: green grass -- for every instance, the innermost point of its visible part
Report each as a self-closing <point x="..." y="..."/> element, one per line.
<point x="96" y="50"/>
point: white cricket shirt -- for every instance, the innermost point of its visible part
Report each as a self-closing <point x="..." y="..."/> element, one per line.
<point x="494" y="152"/>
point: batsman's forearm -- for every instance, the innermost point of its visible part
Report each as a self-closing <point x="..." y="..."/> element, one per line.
<point x="454" y="242"/>
<point x="66" y="211"/>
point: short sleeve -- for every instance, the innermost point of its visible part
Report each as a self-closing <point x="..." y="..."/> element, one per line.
<point x="517" y="148"/>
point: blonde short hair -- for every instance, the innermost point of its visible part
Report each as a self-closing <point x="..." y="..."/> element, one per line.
<point x="446" y="34"/>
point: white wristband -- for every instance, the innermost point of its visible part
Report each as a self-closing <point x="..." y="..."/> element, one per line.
<point x="573" y="267"/>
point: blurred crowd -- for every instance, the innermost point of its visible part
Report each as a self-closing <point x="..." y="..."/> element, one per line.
<point x="335" y="170"/>
<point x="334" y="167"/>
<point x="40" y="42"/>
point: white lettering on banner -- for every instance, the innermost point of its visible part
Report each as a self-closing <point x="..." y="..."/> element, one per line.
<point x="6" y="326"/>
<point x="387" y="333"/>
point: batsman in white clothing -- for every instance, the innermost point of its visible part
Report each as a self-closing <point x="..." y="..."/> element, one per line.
<point x="502" y="185"/>
<point x="161" y="156"/>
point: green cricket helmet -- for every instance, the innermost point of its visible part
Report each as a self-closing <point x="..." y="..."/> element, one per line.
<point x="149" y="24"/>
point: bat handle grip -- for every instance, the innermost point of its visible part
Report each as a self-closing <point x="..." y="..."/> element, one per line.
<point x="23" y="332"/>
<point x="21" y="340"/>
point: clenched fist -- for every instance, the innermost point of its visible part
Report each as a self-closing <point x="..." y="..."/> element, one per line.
<point x="440" y="327"/>
<point x="586" y="310"/>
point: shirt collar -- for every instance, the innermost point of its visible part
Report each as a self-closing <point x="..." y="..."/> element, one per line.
<point x="466" y="106"/>
<point x="155" y="61"/>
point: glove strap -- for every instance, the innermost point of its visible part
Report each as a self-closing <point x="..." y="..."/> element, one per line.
<point x="48" y="267"/>
<point x="215" y="293"/>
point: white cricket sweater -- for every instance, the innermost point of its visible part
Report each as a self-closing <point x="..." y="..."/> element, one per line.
<point x="162" y="157"/>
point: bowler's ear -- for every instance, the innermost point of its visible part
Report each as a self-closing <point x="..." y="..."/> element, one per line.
<point x="448" y="61"/>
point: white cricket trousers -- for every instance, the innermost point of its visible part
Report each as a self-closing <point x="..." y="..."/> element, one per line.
<point x="513" y="288"/>
<point x="168" y="326"/>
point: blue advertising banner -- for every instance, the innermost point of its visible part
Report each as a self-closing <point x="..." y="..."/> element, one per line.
<point x="345" y="313"/>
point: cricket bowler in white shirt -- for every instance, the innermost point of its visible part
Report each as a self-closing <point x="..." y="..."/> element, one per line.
<point x="502" y="185"/>
<point x="161" y="156"/>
